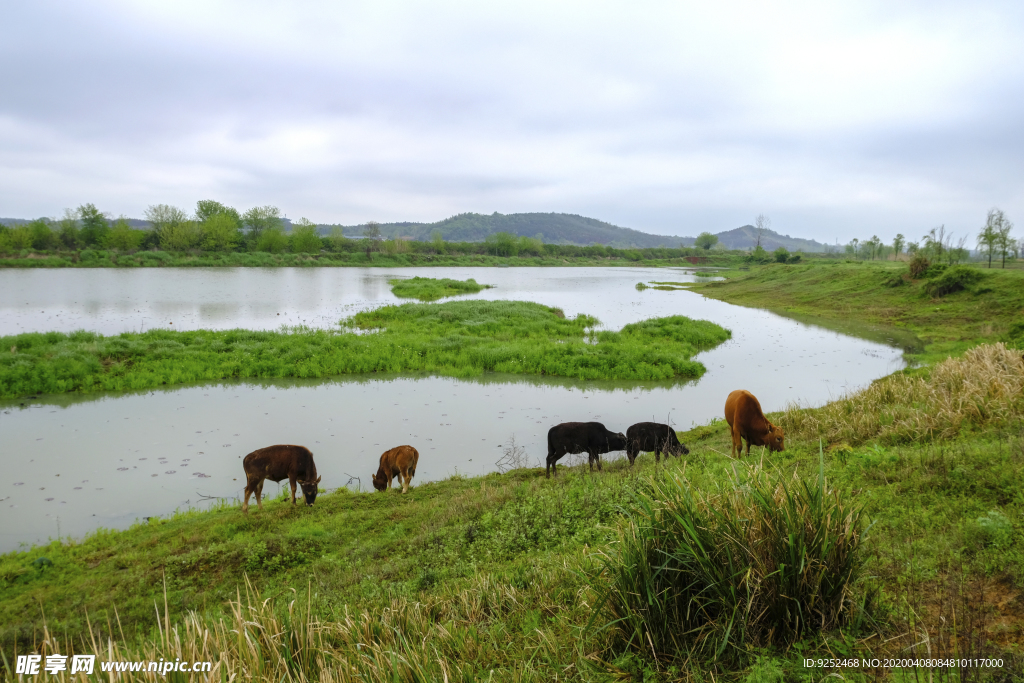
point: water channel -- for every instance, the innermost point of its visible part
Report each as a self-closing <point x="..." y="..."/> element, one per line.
<point x="77" y="463"/>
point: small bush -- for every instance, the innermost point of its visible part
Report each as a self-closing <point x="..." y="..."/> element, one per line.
<point x="794" y="258"/>
<point x="955" y="279"/>
<point x="894" y="280"/>
<point x="918" y="266"/>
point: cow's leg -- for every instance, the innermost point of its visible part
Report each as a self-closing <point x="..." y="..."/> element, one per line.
<point x="737" y="444"/>
<point x="657" y="455"/>
<point x="259" y="494"/>
<point x="248" y="492"/>
<point x="291" y="482"/>
<point x="406" y="478"/>
<point x="631" y="454"/>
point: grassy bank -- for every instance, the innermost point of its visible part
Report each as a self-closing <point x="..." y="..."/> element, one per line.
<point x="883" y="294"/>
<point x="555" y="256"/>
<point x="457" y="339"/>
<point x="432" y="289"/>
<point x="509" y="573"/>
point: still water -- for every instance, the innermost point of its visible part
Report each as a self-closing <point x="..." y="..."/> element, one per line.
<point x="77" y="463"/>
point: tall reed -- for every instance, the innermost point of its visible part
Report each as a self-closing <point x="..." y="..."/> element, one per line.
<point x="711" y="576"/>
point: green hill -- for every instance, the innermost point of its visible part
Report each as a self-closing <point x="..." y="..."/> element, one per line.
<point x="554" y="228"/>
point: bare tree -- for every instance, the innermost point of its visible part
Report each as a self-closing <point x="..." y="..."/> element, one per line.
<point x="1006" y="244"/>
<point x="761" y="224"/>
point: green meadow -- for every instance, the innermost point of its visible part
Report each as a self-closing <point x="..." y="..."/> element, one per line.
<point x="948" y="309"/>
<point x="457" y="339"/>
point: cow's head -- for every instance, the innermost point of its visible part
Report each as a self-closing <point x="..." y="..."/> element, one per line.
<point x="380" y="482"/>
<point x="677" y="448"/>
<point x="309" y="489"/>
<point x="776" y="440"/>
<point x="617" y="442"/>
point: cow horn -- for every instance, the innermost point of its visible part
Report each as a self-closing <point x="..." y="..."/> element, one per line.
<point x="318" y="479"/>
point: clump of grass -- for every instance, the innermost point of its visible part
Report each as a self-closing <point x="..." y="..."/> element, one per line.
<point x="432" y="289"/>
<point x="983" y="388"/>
<point x="710" y="576"/>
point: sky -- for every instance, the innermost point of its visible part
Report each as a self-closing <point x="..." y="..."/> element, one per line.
<point x="835" y="119"/>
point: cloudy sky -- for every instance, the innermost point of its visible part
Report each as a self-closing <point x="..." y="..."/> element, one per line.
<point x="837" y="119"/>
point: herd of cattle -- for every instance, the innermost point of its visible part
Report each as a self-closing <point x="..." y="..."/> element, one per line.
<point x="742" y="413"/>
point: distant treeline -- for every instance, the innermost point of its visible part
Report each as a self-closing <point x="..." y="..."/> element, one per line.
<point x="215" y="228"/>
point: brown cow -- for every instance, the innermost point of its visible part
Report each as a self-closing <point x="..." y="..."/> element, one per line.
<point x="400" y="461"/>
<point x="746" y="421"/>
<point x="294" y="463"/>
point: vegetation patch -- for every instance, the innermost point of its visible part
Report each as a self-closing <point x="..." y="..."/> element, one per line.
<point x="955" y="279"/>
<point x="866" y="294"/>
<point x="984" y="388"/>
<point x="457" y="339"/>
<point x="432" y="289"/>
<point x="709" y="576"/>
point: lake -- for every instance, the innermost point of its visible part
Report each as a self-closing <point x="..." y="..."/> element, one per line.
<point x="77" y="463"/>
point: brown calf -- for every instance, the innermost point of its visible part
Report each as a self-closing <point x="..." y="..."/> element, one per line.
<point x="398" y="461"/>
<point x="746" y="421"/>
<point x="294" y="463"/>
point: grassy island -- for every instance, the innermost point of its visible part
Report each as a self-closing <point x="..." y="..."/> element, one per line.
<point x="457" y="339"/>
<point x="432" y="289"/>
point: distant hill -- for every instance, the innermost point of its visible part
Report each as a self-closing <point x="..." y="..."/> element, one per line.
<point x="553" y="228"/>
<point x="746" y="238"/>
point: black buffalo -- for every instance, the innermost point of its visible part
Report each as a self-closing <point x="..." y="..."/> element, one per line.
<point x="581" y="437"/>
<point x="652" y="436"/>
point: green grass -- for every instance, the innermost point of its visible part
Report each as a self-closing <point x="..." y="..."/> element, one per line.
<point x="432" y="289"/>
<point x="877" y="295"/>
<point x="457" y="339"/>
<point x="506" y="573"/>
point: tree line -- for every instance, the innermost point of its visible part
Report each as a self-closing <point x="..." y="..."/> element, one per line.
<point x="214" y="227"/>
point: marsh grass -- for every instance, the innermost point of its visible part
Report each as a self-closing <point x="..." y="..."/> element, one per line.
<point x="432" y="289"/>
<point x="456" y="339"/>
<point x="709" y="576"/>
<point x="983" y="388"/>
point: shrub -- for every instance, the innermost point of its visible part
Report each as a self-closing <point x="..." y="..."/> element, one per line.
<point x="954" y="279"/>
<point x="794" y="258"/>
<point x="918" y="265"/>
<point x="763" y="563"/>
<point x="781" y="255"/>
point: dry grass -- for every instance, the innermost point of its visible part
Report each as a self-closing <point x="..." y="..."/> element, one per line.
<point x="443" y="638"/>
<point x="983" y="388"/>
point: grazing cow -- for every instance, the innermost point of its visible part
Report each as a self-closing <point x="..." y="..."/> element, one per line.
<point x="294" y="463"/>
<point x="746" y="421"/>
<point x="581" y="437"/>
<point x="651" y="436"/>
<point x="398" y="461"/>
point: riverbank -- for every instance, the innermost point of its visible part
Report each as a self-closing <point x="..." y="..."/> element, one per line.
<point x="572" y="256"/>
<point x="454" y="339"/>
<point x="504" y="572"/>
<point x="882" y="294"/>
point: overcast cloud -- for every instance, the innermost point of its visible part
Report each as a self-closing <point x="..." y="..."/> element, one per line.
<point x="837" y="120"/>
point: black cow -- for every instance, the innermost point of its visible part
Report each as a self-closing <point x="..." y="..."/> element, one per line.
<point x="581" y="437"/>
<point x="294" y="463"/>
<point x="652" y="436"/>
